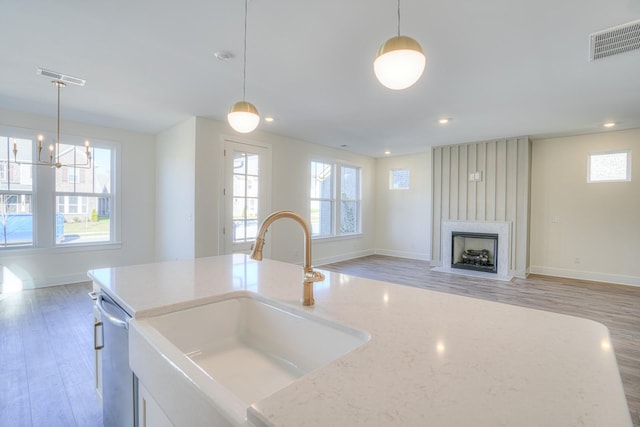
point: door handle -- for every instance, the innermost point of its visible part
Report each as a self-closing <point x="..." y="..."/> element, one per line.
<point x="95" y="336"/>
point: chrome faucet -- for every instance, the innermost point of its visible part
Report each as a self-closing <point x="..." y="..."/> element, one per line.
<point x="310" y="276"/>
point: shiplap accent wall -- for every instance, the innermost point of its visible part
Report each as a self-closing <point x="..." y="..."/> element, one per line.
<point x="502" y="193"/>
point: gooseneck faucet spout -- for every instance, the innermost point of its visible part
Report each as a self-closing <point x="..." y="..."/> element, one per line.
<point x="310" y="276"/>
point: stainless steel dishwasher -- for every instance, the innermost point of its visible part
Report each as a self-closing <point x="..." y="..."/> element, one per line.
<point x="119" y="384"/>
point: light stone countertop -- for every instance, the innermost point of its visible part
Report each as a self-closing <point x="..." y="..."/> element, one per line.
<point x="434" y="359"/>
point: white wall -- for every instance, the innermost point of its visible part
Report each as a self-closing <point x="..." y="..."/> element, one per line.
<point x="209" y="169"/>
<point x="175" y="192"/>
<point x="44" y="267"/>
<point x="580" y="230"/>
<point x="403" y="217"/>
<point x="290" y="190"/>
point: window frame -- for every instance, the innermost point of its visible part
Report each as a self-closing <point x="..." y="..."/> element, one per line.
<point x="44" y="205"/>
<point x="336" y="199"/>
<point x="83" y="196"/>
<point x="602" y="153"/>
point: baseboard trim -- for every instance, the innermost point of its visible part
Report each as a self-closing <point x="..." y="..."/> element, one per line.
<point x="403" y="254"/>
<point x="617" y="279"/>
<point x="343" y="257"/>
<point x="30" y="283"/>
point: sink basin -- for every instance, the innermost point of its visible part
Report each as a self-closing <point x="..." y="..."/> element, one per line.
<point x="237" y="351"/>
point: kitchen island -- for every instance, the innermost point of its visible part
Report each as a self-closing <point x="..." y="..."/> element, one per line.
<point x="432" y="359"/>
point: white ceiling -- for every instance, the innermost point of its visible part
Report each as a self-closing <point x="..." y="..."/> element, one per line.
<point x="498" y="68"/>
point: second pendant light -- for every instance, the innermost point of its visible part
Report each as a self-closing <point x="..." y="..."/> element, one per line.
<point x="243" y="116"/>
<point x="399" y="62"/>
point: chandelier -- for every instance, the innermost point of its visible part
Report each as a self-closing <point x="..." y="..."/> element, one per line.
<point x="54" y="159"/>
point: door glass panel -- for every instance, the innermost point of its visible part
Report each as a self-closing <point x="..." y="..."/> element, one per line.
<point x="245" y="196"/>
<point x="239" y="208"/>
<point x="252" y="208"/>
<point x="252" y="164"/>
<point x="239" y="163"/>
<point x="252" y="186"/>
<point x="238" y="231"/>
<point x="239" y="184"/>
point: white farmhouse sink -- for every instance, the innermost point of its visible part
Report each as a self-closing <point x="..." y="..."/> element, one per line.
<point x="235" y="352"/>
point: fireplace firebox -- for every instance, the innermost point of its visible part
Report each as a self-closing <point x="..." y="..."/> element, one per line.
<point x="474" y="251"/>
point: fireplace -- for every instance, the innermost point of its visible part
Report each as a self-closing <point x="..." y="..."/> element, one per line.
<point x="502" y="251"/>
<point x="474" y="251"/>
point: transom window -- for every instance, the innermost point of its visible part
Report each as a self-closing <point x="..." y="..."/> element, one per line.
<point x="609" y="166"/>
<point x="335" y="199"/>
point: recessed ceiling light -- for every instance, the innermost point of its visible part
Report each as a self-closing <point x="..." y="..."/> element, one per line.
<point x="268" y="119"/>
<point x="609" y="124"/>
<point x="443" y="121"/>
<point x="387" y="152"/>
<point x="223" y="55"/>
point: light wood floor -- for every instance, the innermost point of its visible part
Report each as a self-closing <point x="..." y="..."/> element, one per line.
<point x="46" y="358"/>
<point x="46" y="336"/>
<point x="616" y="306"/>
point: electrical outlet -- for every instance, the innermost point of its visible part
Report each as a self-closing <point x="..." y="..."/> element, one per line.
<point x="576" y="260"/>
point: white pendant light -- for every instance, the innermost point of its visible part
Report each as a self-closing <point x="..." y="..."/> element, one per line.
<point x="243" y="116"/>
<point x="399" y="62"/>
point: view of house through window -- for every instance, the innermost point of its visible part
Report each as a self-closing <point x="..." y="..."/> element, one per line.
<point x="83" y="193"/>
<point x="335" y="199"/>
<point x="84" y="197"/>
<point x="16" y="191"/>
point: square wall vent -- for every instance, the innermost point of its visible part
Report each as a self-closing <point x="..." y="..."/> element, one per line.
<point x="615" y="40"/>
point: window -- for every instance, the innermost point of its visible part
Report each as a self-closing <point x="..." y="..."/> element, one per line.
<point x="45" y="207"/>
<point x="399" y="179"/>
<point x="609" y="166"/>
<point x="16" y="191"/>
<point x="335" y="199"/>
<point x="84" y="196"/>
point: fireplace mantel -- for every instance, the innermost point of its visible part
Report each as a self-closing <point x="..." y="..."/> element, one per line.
<point x="502" y="229"/>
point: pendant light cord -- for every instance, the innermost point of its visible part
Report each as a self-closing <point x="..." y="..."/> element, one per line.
<point x="398" y="18"/>
<point x="244" y="68"/>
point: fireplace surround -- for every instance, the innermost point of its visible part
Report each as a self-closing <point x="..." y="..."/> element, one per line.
<point x="504" y="250"/>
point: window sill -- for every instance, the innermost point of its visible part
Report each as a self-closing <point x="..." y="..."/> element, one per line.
<point x="87" y="247"/>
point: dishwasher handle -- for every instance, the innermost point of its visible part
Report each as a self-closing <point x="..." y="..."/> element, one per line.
<point x="110" y="317"/>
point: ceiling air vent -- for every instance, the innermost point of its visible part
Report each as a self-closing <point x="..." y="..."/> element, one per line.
<point x="61" y="77"/>
<point x="615" y="40"/>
